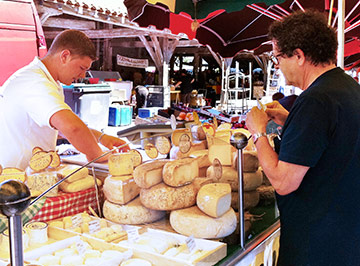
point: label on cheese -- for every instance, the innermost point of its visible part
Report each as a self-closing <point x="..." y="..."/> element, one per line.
<point x="94" y="226"/>
<point x="81" y="247"/>
<point x="217" y="169"/>
<point x="151" y="151"/>
<point x="40" y="160"/>
<point x="184" y="143"/>
<point x="76" y="220"/>
<point x="190" y="243"/>
<point x="209" y="129"/>
<point x="137" y="158"/>
<point x="133" y="234"/>
<point x="163" y="145"/>
<point x="173" y="122"/>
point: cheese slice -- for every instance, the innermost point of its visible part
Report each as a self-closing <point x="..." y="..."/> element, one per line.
<point x="180" y="172"/>
<point x="131" y="213"/>
<point x="214" y="199"/>
<point x="223" y="152"/>
<point x="224" y="135"/>
<point x="121" y="164"/>
<point x="120" y="189"/>
<point x="230" y="175"/>
<point x="149" y="174"/>
<point x="192" y="221"/>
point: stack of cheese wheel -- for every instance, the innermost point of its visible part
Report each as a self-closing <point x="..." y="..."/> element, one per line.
<point x="122" y="204"/>
<point x="78" y="181"/>
<point x="212" y="217"/>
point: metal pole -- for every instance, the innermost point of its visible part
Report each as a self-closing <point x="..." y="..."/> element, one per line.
<point x="241" y="200"/>
<point x="15" y="240"/>
<point x="340" y="33"/>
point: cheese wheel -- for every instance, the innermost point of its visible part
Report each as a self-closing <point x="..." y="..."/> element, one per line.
<point x="251" y="199"/>
<point x="251" y="161"/>
<point x="69" y="169"/>
<point x="175" y="152"/>
<point x="223" y="152"/>
<point x="214" y="199"/>
<point x="79" y="185"/>
<point x="121" y="164"/>
<point x="266" y="193"/>
<point x="149" y="174"/>
<point x="177" y="133"/>
<point x="131" y="213"/>
<point x="230" y="175"/>
<point x="192" y="221"/>
<point x="180" y="172"/>
<point x="120" y="189"/>
<point x="163" y="197"/>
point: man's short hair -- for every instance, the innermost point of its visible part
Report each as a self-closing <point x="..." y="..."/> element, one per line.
<point x="307" y="31"/>
<point x="76" y="42"/>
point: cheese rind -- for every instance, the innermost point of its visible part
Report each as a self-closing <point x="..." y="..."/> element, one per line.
<point x="192" y="221"/>
<point x="214" y="199"/>
<point x="149" y="174"/>
<point x="120" y="189"/>
<point x="180" y="172"/>
<point x="121" y="164"/>
<point x="131" y="213"/>
<point x="230" y="175"/>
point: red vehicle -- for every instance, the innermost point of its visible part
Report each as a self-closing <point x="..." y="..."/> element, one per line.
<point x="21" y="36"/>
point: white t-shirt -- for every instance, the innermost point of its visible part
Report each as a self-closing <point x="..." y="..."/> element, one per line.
<point x="29" y="98"/>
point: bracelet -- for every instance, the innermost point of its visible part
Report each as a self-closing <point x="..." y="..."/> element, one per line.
<point x="257" y="136"/>
<point x="99" y="139"/>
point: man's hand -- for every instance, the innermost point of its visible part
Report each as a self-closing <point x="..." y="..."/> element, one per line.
<point x="277" y="112"/>
<point x="256" y="120"/>
<point x="110" y="142"/>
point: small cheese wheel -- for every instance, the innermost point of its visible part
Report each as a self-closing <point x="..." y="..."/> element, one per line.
<point x="135" y="262"/>
<point x="74" y="260"/>
<point x="192" y="221"/>
<point x="131" y="213"/>
<point x="214" y="199"/>
<point x="180" y="172"/>
<point x="120" y="189"/>
<point x="230" y="175"/>
<point x="149" y="174"/>
<point x="40" y="160"/>
<point x="55" y="159"/>
<point x="121" y="164"/>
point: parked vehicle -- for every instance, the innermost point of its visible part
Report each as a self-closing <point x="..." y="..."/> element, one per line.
<point x="21" y="36"/>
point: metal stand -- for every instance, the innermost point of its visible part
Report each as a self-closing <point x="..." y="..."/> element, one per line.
<point x="239" y="141"/>
<point x="14" y="199"/>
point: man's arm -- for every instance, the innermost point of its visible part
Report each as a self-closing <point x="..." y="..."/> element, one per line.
<point x="109" y="141"/>
<point x="284" y="177"/>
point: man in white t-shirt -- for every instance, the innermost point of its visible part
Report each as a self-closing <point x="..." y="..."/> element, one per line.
<point x="32" y="107"/>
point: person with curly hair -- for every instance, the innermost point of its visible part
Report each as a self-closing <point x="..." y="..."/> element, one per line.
<point x="315" y="170"/>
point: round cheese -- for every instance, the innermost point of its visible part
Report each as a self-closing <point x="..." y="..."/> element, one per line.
<point x="192" y="221"/>
<point x="149" y="174"/>
<point x="120" y="189"/>
<point x="251" y="161"/>
<point x="132" y="213"/>
<point x="214" y="199"/>
<point x="121" y="164"/>
<point x="251" y="199"/>
<point x="180" y="172"/>
<point x="230" y="175"/>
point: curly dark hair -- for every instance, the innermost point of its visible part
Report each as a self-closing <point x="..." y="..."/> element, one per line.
<point x="75" y="41"/>
<point x="307" y="31"/>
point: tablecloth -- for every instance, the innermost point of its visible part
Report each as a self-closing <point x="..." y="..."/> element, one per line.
<point x="66" y="204"/>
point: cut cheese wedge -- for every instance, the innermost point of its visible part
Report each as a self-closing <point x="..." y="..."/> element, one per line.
<point x="120" y="189"/>
<point x="180" y="172"/>
<point x="192" y="221"/>
<point x="131" y="213"/>
<point x="223" y="152"/>
<point x="79" y="185"/>
<point x="121" y="164"/>
<point x="214" y="199"/>
<point x="149" y="174"/>
<point x="69" y="169"/>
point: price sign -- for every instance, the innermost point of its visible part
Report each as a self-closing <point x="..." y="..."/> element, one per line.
<point x="173" y="122"/>
<point x="190" y="243"/>
<point x="217" y="169"/>
<point x="76" y="220"/>
<point x="137" y="158"/>
<point x="163" y="145"/>
<point x="94" y="226"/>
<point x="81" y="247"/>
<point x="133" y="234"/>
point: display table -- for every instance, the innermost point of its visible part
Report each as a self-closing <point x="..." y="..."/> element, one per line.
<point x="66" y="204"/>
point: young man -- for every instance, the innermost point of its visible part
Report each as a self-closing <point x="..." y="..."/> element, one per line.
<point x="315" y="171"/>
<point x="32" y="105"/>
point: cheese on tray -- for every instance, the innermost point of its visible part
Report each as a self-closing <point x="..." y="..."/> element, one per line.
<point x="180" y="172"/>
<point x="121" y="164"/>
<point x="131" y="213"/>
<point x="192" y="221"/>
<point x="149" y="174"/>
<point x="214" y="199"/>
<point x="230" y="175"/>
<point x="120" y="189"/>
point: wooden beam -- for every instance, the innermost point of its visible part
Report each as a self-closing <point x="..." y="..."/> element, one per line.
<point x="69" y="23"/>
<point x="150" y="51"/>
<point x="157" y="49"/>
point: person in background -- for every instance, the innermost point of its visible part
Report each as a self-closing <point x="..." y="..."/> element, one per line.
<point x="315" y="171"/>
<point x="185" y="82"/>
<point x="141" y="97"/>
<point x="33" y="111"/>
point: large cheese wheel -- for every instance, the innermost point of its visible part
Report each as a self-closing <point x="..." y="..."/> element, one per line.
<point x="150" y="173"/>
<point x="121" y="164"/>
<point x="251" y="199"/>
<point x="163" y="197"/>
<point x="180" y="172"/>
<point x="192" y="221"/>
<point x="230" y="175"/>
<point x="120" y="189"/>
<point x="175" y="152"/>
<point x="132" y="213"/>
<point x="251" y="161"/>
<point x="214" y="199"/>
<point x="223" y="152"/>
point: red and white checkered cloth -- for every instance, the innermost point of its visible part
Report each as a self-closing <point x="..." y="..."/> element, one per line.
<point x="66" y="204"/>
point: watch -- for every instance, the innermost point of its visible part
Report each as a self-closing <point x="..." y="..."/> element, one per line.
<point x="256" y="136"/>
